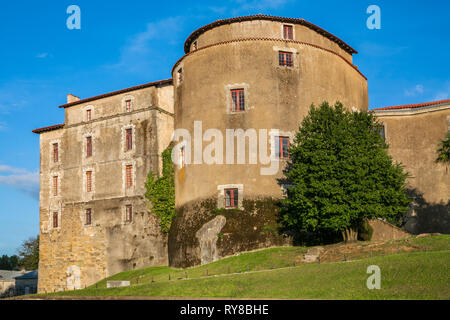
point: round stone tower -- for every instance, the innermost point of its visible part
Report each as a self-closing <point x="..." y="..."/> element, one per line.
<point x="241" y="91"/>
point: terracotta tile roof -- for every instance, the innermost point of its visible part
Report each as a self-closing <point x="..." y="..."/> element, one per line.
<point x="303" y="22"/>
<point x="150" y="84"/>
<point x="412" y="106"/>
<point x="50" y="128"/>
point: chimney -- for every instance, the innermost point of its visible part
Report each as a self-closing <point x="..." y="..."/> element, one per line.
<point x="72" y="98"/>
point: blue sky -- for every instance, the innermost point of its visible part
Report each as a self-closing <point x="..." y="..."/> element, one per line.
<point x="126" y="43"/>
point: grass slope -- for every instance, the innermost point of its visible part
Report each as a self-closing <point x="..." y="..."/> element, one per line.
<point x="408" y="275"/>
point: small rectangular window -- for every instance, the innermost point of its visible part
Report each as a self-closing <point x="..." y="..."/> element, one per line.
<point x="88" y="146"/>
<point x="88" y="216"/>
<point x="231" y="198"/>
<point x="129" y="175"/>
<point x="282" y="147"/>
<point x="128" y="105"/>
<point x="194" y="45"/>
<point x="55" y="185"/>
<point x="129" y="139"/>
<point x="55" y="219"/>
<point x="237" y="100"/>
<point x="287" y="32"/>
<point x="55" y="152"/>
<point x="180" y="75"/>
<point x="380" y="130"/>
<point x="182" y="157"/>
<point x="285" y="59"/>
<point x="88" y="181"/>
<point x="88" y="115"/>
<point x="128" y="213"/>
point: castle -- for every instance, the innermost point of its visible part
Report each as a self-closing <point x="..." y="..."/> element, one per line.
<point x="244" y="78"/>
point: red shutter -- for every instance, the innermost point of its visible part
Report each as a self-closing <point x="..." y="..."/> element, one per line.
<point x="88" y="115"/>
<point x="129" y="213"/>
<point x="237" y="100"/>
<point x="231" y="198"/>
<point x="129" y="170"/>
<point x="55" y="185"/>
<point x="55" y="152"/>
<point x="88" y="146"/>
<point x="128" y="105"/>
<point x="88" y="181"/>
<point x="287" y="32"/>
<point x="129" y="139"/>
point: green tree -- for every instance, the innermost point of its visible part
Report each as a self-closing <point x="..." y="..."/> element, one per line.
<point x="9" y="263"/>
<point x="161" y="191"/>
<point x="340" y="174"/>
<point x="29" y="254"/>
<point x="444" y="150"/>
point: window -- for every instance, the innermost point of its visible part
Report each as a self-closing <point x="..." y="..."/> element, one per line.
<point x="127" y="105"/>
<point x="194" y="45"/>
<point x="237" y="100"/>
<point x="129" y="177"/>
<point x="88" y="217"/>
<point x="88" y="115"/>
<point x="180" y="75"/>
<point x="281" y="147"/>
<point x="88" y="146"/>
<point x="231" y="198"/>
<point x="88" y="181"/>
<point x="55" y="186"/>
<point x="55" y="219"/>
<point x="128" y="213"/>
<point x="287" y="32"/>
<point x="55" y="152"/>
<point x="129" y="139"/>
<point x="380" y="130"/>
<point x="285" y="59"/>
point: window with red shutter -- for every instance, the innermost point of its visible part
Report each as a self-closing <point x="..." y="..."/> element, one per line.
<point x="231" y="198"/>
<point x="287" y="32"/>
<point x="88" y="146"/>
<point x="55" y="219"/>
<point x="88" y="181"/>
<point x="129" y="177"/>
<point x="285" y="59"/>
<point x="88" y="115"/>
<point x="282" y="147"/>
<point x="129" y="139"/>
<point x="128" y="105"/>
<point x="180" y="75"/>
<point x="128" y="213"/>
<point x="55" y="185"/>
<point x="55" y="152"/>
<point x="237" y="100"/>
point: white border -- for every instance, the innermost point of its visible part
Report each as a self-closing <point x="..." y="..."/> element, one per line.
<point x="124" y="99"/>
<point x="233" y="86"/>
<point x="221" y="195"/>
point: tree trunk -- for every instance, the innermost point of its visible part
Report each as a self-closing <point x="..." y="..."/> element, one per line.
<point x="350" y="234"/>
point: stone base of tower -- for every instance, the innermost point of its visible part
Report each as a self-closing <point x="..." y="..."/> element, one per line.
<point x="201" y="233"/>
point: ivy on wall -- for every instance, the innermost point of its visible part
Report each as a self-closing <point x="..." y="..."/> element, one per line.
<point x="160" y="191"/>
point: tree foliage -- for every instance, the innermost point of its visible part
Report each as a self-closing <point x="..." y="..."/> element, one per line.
<point x="340" y="174"/>
<point x="9" y="263"/>
<point x="29" y="254"/>
<point x="161" y="191"/>
<point x="444" y="150"/>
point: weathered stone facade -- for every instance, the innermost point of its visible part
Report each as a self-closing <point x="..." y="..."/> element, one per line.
<point x="242" y="54"/>
<point x="75" y="252"/>
<point x="413" y="133"/>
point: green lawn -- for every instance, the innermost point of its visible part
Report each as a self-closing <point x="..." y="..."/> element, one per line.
<point x="408" y="275"/>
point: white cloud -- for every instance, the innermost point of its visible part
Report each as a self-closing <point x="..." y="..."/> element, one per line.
<point x="42" y="55"/>
<point x="21" y="179"/>
<point x="443" y="93"/>
<point x="416" y="90"/>
<point x="254" y="5"/>
<point x="144" y="48"/>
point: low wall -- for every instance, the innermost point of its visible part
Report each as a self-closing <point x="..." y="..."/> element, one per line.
<point x="383" y="230"/>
